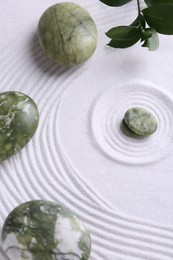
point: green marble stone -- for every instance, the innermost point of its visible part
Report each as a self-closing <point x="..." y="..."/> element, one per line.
<point x="67" y="33"/>
<point x="44" y="230"/>
<point x="140" y="121"/>
<point x="18" y="122"/>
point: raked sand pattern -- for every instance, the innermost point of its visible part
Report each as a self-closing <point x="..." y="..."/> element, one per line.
<point x="46" y="170"/>
<point x="107" y="123"/>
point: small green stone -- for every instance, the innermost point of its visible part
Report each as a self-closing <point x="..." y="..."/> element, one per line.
<point x="67" y="34"/>
<point x="44" y="230"/>
<point x="18" y="122"/>
<point x="140" y="121"/>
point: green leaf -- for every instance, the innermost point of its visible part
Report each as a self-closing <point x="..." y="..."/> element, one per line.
<point x="160" y="17"/>
<point x="123" y="36"/>
<point x="139" y="21"/>
<point x="115" y="2"/>
<point x="124" y="33"/>
<point x="122" y="44"/>
<point x="154" y="2"/>
<point x="153" y="41"/>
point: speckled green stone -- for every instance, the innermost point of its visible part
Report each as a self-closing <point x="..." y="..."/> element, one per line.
<point x="44" y="230"/>
<point x="67" y="33"/>
<point x="18" y="122"/>
<point x="140" y="121"/>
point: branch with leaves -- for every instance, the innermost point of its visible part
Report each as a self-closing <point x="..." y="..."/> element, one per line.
<point x="156" y="18"/>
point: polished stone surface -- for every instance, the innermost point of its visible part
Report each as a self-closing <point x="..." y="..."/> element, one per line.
<point x="140" y="121"/>
<point x="18" y="122"/>
<point x="67" y="34"/>
<point x="44" y="230"/>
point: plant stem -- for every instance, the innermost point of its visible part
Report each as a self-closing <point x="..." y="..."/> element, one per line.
<point x="139" y="10"/>
<point x="139" y="15"/>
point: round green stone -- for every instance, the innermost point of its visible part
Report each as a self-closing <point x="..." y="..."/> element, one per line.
<point x="44" y="230"/>
<point x="140" y="121"/>
<point x="18" y="122"/>
<point x="67" y="33"/>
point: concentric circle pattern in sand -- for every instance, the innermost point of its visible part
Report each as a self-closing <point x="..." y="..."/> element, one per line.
<point x="111" y="134"/>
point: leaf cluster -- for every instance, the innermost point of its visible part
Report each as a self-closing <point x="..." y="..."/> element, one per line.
<point x="156" y="18"/>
